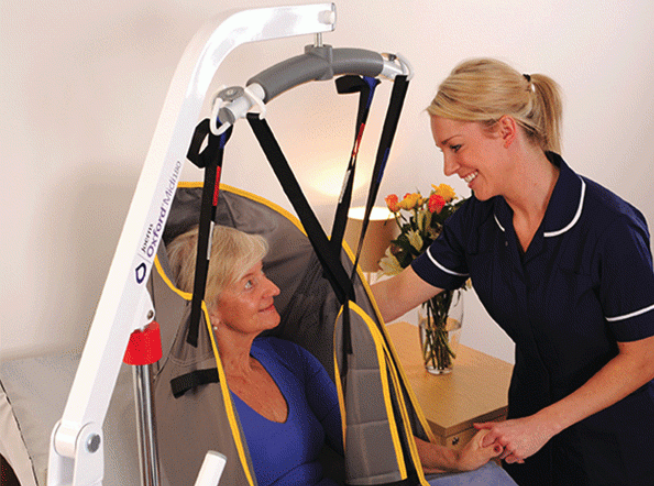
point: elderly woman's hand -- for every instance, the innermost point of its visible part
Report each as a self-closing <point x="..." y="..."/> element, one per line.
<point x="476" y="453"/>
<point x="437" y="459"/>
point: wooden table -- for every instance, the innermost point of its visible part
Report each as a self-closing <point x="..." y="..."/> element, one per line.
<point x="475" y="390"/>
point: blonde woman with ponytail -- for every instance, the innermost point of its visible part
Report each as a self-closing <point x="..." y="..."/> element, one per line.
<point x="562" y="264"/>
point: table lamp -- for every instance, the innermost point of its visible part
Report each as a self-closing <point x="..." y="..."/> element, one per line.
<point x="382" y="228"/>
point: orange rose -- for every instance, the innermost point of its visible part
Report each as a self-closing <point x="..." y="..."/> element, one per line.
<point x="436" y="203"/>
<point x="391" y="202"/>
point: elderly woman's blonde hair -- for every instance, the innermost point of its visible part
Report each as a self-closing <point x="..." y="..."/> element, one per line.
<point x="485" y="90"/>
<point x="233" y="253"/>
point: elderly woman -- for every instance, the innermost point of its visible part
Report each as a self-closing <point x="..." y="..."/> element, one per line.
<point x="286" y="401"/>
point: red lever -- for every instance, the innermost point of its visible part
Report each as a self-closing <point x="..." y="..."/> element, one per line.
<point x="144" y="346"/>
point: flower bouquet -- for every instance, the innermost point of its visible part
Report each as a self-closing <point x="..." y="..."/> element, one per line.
<point x="420" y="220"/>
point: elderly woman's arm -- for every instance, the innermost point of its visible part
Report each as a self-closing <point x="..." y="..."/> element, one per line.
<point x="401" y="293"/>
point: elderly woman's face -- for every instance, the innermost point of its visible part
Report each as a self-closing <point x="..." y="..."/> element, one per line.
<point x="248" y="305"/>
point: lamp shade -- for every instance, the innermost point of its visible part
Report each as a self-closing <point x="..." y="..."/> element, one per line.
<point x="381" y="230"/>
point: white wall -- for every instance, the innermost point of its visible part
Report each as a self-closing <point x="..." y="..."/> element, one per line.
<point x="83" y="84"/>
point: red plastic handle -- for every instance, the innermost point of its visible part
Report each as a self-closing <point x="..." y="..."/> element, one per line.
<point x="144" y="346"/>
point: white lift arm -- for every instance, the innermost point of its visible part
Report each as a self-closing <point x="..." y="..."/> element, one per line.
<point x="76" y="448"/>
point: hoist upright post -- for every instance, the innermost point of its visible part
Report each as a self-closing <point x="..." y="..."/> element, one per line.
<point x="76" y="447"/>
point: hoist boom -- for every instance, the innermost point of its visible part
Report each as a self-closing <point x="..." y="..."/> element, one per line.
<point x="76" y="447"/>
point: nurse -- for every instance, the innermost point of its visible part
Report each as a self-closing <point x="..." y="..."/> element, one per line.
<point x="561" y="264"/>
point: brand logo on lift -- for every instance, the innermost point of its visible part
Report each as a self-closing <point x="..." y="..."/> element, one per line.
<point x="140" y="272"/>
<point x="155" y="229"/>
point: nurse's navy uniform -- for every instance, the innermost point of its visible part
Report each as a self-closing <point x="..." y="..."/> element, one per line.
<point x="585" y="282"/>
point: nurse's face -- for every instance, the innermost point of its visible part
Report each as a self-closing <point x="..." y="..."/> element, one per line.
<point x="247" y="306"/>
<point x="474" y="153"/>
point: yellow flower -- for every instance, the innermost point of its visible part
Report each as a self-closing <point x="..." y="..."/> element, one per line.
<point x="409" y="202"/>
<point x="420" y="221"/>
<point x="415" y="239"/>
<point x="423" y="218"/>
<point x="389" y="264"/>
<point x="445" y="191"/>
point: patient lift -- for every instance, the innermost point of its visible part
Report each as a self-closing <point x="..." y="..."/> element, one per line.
<point x="361" y="359"/>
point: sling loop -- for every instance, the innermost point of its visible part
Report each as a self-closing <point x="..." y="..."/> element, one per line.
<point x="188" y="381"/>
<point x="393" y="112"/>
<point x="364" y="85"/>
<point x="330" y="260"/>
<point x="398" y="95"/>
<point x="211" y="159"/>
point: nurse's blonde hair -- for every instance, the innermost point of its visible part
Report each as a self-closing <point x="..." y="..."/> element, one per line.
<point x="233" y="253"/>
<point x="484" y="90"/>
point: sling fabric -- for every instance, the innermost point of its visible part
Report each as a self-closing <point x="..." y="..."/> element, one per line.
<point x="379" y="413"/>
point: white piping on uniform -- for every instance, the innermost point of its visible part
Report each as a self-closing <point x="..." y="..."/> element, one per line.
<point x="632" y="314"/>
<point x="498" y="223"/>
<point x="446" y="270"/>
<point x="549" y="234"/>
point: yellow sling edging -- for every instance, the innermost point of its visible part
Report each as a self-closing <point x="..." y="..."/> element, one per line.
<point x="364" y="281"/>
<point x="421" y="416"/>
<point x="229" y="406"/>
<point x="168" y="282"/>
<point x="339" y="391"/>
<point x="372" y="328"/>
<point x="405" y="418"/>
<point x="263" y="201"/>
<point x="190" y="184"/>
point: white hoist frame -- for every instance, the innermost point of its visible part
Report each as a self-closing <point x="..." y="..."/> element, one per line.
<point x="76" y="445"/>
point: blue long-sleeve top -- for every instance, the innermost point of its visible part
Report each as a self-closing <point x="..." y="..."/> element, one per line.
<point x="287" y="453"/>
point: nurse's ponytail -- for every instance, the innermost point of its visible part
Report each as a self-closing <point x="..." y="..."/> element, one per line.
<point x="484" y="90"/>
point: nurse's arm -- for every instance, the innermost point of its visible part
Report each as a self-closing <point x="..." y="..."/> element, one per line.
<point x="629" y="370"/>
<point x="401" y="293"/>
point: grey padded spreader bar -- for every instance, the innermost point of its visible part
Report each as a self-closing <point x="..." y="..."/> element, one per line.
<point x="318" y="63"/>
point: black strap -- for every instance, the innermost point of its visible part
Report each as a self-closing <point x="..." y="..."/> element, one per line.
<point x="398" y="94"/>
<point x="365" y="86"/>
<point x="331" y="264"/>
<point x="184" y="383"/>
<point x="211" y="159"/>
<point x="330" y="260"/>
<point x="393" y="112"/>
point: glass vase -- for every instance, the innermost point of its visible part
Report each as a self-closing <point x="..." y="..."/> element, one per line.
<point x="440" y="320"/>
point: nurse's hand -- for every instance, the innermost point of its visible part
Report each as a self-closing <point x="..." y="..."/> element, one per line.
<point x="520" y="438"/>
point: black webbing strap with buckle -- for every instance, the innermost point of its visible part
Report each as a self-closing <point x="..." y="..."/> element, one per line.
<point x="364" y="85"/>
<point x="211" y="159"/>
<point x="398" y="94"/>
